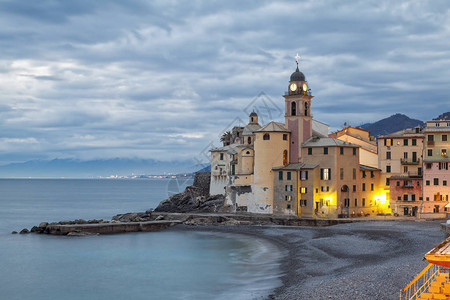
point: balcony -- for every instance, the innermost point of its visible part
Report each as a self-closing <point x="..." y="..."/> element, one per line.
<point x="405" y="161"/>
<point x="415" y="174"/>
<point x="430" y="143"/>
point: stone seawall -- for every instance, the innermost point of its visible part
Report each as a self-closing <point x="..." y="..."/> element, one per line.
<point x="108" y="228"/>
<point x="202" y="181"/>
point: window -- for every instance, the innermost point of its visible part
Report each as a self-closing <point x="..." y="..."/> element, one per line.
<point x="284" y="137"/>
<point x="363" y="174"/>
<point x="325" y="174"/>
<point x="321" y="188"/>
<point x="221" y="156"/>
<point x="388" y="142"/>
<point x="346" y="202"/>
<point x="413" y="197"/>
<point x="388" y="169"/>
<point x="387" y="181"/>
<point x="288" y="206"/>
<point x="354" y="173"/>
<point x="436" y="181"/>
<point x="443" y="166"/>
<point x="288" y="175"/>
<point x="444" y="182"/>
<point x="405" y="169"/>
<point x="443" y="152"/>
<point x="288" y="188"/>
<point x="414" y="142"/>
<point x="388" y="155"/>
<point x="280" y="175"/>
<point x="430" y="152"/>
<point x="405" y="142"/>
<point x="306" y="109"/>
<point x="354" y="188"/>
<point x="430" y="138"/>
<point x="398" y="183"/>
<point x="341" y="150"/>
<point x="341" y="173"/>
<point x="303" y="175"/>
<point x="444" y="137"/>
<point x="363" y="201"/>
<point x="325" y="150"/>
<point x="372" y="175"/>
<point x="356" y="202"/>
<point x="405" y="197"/>
<point x="364" y="187"/>
<point x="405" y="155"/>
<point x="427" y="182"/>
<point x="354" y="151"/>
<point x="302" y="202"/>
<point x="428" y="166"/>
<point x="309" y="151"/>
<point x="249" y="140"/>
<point x="303" y="190"/>
<point x="371" y="186"/>
<point x="293" y="108"/>
<point x="266" y="137"/>
<point x="399" y="198"/>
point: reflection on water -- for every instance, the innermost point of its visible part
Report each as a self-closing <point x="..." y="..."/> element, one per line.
<point x="171" y="264"/>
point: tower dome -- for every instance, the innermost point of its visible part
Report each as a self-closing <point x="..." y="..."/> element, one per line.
<point x="297" y="75"/>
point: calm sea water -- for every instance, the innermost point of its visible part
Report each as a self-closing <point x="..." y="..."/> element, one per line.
<point x="169" y="264"/>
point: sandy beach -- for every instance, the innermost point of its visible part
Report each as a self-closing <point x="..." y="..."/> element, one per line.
<point x="364" y="260"/>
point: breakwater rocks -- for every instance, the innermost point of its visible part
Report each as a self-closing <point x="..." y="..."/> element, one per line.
<point x="192" y="200"/>
<point x="152" y="221"/>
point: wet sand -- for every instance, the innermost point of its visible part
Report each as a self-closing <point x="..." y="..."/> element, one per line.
<point x="364" y="260"/>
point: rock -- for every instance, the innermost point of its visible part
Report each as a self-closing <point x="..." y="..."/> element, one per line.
<point x="43" y="224"/>
<point x="192" y="200"/>
<point x="149" y="212"/>
<point x="23" y="231"/>
<point x="14" y="232"/>
<point x="158" y="218"/>
<point x="35" y="229"/>
<point x="80" y="221"/>
<point x="80" y="233"/>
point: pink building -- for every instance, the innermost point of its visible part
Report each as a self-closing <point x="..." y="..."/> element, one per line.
<point x="436" y="190"/>
<point x="407" y="192"/>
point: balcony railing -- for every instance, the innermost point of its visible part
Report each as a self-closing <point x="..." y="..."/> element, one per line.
<point x="405" y="161"/>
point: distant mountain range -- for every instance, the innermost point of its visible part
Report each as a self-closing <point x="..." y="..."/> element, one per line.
<point x="72" y="168"/>
<point x="391" y="124"/>
<point x="444" y="116"/>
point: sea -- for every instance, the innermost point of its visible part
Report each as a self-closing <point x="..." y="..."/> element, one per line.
<point x="168" y="264"/>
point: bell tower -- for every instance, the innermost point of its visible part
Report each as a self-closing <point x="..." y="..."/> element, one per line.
<point x="298" y="113"/>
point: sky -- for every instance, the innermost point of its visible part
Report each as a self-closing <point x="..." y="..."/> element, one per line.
<point x="163" y="79"/>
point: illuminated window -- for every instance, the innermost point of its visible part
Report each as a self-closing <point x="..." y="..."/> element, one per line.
<point x="325" y="174"/>
<point x="303" y="190"/>
<point x="288" y="198"/>
<point x="285" y="160"/>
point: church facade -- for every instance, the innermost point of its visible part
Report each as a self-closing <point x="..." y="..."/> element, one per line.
<point x="296" y="167"/>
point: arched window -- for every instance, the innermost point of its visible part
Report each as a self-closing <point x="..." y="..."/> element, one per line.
<point x="248" y="152"/>
<point x="285" y="153"/>
<point x="249" y="140"/>
<point x="252" y="119"/>
<point x="306" y="108"/>
<point x="266" y="137"/>
<point x="293" y="108"/>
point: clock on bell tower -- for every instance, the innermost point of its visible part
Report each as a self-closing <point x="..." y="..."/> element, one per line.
<point x="298" y="113"/>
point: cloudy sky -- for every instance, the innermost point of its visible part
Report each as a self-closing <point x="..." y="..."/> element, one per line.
<point x="162" y="79"/>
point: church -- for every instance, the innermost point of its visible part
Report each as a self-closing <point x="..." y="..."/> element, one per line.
<point x="296" y="167"/>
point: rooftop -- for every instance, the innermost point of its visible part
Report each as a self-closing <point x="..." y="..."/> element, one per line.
<point x="297" y="166"/>
<point x="273" y="127"/>
<point x="327" y="142"/>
